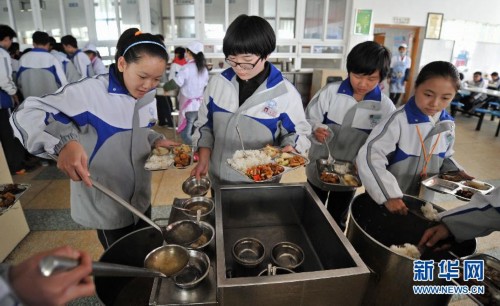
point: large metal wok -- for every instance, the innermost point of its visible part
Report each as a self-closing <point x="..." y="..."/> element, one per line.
<point x="373" y="229"/>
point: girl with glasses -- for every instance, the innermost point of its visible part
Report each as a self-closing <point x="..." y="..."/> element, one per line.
<point x="253" y="97"/>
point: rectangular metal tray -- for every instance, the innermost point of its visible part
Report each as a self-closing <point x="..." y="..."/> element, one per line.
<point x="286" y="169"/>
<point x="438" y="184"/>
<point x="18" y="195"/>
<point x="341" y="169"/>
<point x="171" y="155"/>
<point x="492" y="286"/>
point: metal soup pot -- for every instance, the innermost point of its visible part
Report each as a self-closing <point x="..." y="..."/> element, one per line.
<point x="373" y="229"/>
<point x="131" y="250"/>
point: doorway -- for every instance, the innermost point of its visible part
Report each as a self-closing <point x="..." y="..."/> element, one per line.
<point x="391" y="36"/>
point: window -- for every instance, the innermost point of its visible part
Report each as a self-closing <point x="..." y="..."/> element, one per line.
<point x="24" y="22"/>
<point x="184" y="19"/>
<point x="214" y="19"/>
<point x="313" y="25"/>
<point x="236" y="8"/>
<point x="4" y="12"/>
<point x="129" y="14"/>
<point x="285" y="16"/>
<point x="51" y="19"/>
<point x="76" y="24"/>
<point x="336" y="19"/>
<point x="314" y="20"/>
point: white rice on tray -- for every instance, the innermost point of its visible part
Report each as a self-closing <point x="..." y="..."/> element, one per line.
<point x="242" y="160"/>
<point x="157" y="162"/>
<point x="407" y="249"/>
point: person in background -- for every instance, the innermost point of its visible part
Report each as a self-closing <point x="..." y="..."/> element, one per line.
<point x="15" y="55"/>
<point x="163" y="102"/>
<point x="57" y="50"/>
<point x="178" y="61"/>
<point x="349" y="109"/>
<point x="191" y="80"/>
<point x="475" y="100"/>
<point x="494" y="83"/>
<point x="414" y="142"/>
<point x="252" y="96"/>
<point x="23" y="284"/>
<point x="99" y="124"/>
<point x="478" y="218"/>
<point x="40" y="73"/>
<point x="79" y="59"/>
<point x="95" y="59"/>
<point x="14" y="152"/>
<point x="399" y="74"/>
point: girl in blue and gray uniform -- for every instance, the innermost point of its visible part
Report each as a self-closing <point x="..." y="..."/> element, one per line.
<point x="414" y="142"/>
<point x="252" y="95"/>
<point x="101" y="126"/>
<point x="350" y="109"/>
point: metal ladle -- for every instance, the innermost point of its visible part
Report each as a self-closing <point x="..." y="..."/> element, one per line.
<point x="241" y="141"/>
<point x="183" y="235"/>
<point x="54" y="264"/>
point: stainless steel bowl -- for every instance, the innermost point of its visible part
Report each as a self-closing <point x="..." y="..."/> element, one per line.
<point x="248" y="252"/>
<point x="196" y="270"/>
<point x="168" y="259"/>
<point x="206" y="205"/>
<point x="206" y="238"/>
<point x="196" y="188"/>
<point x="287" y="255"/>
<point x="277" y="270"/>
<point x="183" y="232"/>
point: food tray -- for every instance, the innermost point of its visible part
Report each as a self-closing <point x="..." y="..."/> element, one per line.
<point x="4" y="188"/>
<point x="170" y="158"/>
<point x="344" y="172"/>
<point x="280" y="163"/>
<point x="491" y="280"/>
<point x="458" y="188"/>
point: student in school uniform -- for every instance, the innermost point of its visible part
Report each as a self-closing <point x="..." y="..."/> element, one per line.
<point x="80" y="59"/>
<point x="57" y="50"/>
<point x="40" y="73"/>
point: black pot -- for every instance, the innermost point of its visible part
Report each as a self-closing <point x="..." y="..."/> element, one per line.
<point x="130" y="250"/>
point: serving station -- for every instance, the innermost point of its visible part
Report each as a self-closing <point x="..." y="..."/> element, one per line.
<point x="270" y="213"/>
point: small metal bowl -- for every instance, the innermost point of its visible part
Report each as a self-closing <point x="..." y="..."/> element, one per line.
<point x="196" y="188"/>
<point x="248" y="252"/>
<point x="168" y="259"/>
<point x="183" y="232"/>
<point x="206" y="238"/>
<point x="196" y="270"/>
<point x="206" y="205"/>
<point x="287" y="255"/>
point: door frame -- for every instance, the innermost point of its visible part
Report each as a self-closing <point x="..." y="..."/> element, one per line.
<point x="413" y="54"/>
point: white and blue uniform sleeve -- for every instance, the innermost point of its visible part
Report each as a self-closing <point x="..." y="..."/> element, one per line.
<point x="478" y="218"/>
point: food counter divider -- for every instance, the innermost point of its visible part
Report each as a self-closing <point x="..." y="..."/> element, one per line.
<point x="331" y="271"/>
<point x="274" y="213"/>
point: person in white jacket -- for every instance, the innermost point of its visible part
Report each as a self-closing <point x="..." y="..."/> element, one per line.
<point x="349" y="110"/>
<point x="414" y="142"/>
<point x="40" y="72"/>
<point x="79" y="59"/>
<point x="95" y="59"/>
<point x="478" y="218"/>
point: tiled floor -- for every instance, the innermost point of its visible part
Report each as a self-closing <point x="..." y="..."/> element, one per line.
<point x="46" y="204"/>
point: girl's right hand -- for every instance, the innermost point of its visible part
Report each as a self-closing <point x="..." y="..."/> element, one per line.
<point x="396" y="206"/>
<point x="321" y="134"/>
<point x="201" y="168"/>
<point x="73" y="161"/>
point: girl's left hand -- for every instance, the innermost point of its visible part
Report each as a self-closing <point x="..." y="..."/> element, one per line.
<point x="465" y="176"/>
<point x="288" y="148"/>
<point x="396" y="206"/>
<point x="166" y="143"/>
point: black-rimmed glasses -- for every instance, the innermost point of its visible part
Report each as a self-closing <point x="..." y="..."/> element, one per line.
<point x="244" y="66"/>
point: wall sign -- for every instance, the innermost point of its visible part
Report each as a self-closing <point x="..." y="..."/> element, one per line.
<point x="434" y="23"/>
<point x="363" y="22"/>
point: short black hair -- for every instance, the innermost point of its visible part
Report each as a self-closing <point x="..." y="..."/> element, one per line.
<point x="69" y="40"/>
<point x="40" y="38"/>
<point x="478" y="73"/>
<point x="181" y="51"/>
<point x="494" y="74"/>
<point x="367" y="57"/>
<point x="6" y="31"/>
<point x="249" y="34"/>
<point x="440" y="69"/>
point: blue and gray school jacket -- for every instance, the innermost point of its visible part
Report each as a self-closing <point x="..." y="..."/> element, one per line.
<point x="39" y="73"/>
<point x="273" y="115"/>
<point x="82" y="63"/>
<point x="350" y="121"/>
<point x="7" y="86"/>
<point x="478" y="218"/>
<point x="391" y="160"/>
<point x="72" y="75"/>
<point x="115" y="131"/>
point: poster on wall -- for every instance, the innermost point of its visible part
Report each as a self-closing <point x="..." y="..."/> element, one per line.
<point x="363" y="22"/>
<point x="433" y="28"/>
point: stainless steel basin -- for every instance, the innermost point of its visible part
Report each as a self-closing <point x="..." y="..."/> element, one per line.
<point x="276" y="213"/>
